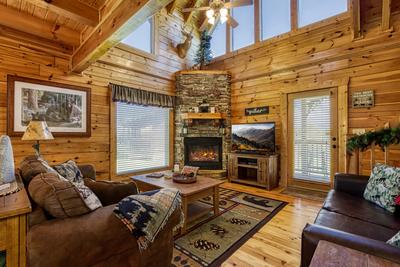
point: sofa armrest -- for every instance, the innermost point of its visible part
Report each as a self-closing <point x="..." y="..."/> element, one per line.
<point x="313" y="233"/>
<point x="96" y="239"/>
<point x="351" y="183"/>
<point x="88" y="171"/>
<point x="111" y="192"/>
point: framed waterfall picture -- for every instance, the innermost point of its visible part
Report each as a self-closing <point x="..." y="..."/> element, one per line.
<point x="65" y="108"/>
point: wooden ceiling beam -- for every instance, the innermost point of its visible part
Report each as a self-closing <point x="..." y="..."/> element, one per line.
<point x="23" y="22"/>
<point x="127" y="16"/>
<point x="386" y="14"/>
<point x="171" y="6"/>
<point x="187" y="16"/>
<point x="73" y="9"/>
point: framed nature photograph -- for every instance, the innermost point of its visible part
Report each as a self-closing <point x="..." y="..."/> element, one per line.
<point x="65" y="108"/>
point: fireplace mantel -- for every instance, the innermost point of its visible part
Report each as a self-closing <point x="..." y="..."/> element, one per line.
<point x="203" y="116"/>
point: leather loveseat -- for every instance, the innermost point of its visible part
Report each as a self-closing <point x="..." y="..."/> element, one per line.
<point x="347" y="219"/>
<point x="96" y="239"/>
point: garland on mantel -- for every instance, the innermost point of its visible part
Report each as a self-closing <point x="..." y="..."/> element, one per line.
<point x="381" y="138"/>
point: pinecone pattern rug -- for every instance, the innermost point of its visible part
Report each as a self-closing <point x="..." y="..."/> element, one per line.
<point x="211" y="240"/>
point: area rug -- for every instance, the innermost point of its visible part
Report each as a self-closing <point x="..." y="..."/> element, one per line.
<point x="212" y="239"/>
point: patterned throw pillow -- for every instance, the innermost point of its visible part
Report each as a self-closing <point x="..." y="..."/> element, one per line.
<point x="70" y="171"/>
<point x="383" y="186"/>
<point x="395" y="240"/>
<point x="7" y="172"/>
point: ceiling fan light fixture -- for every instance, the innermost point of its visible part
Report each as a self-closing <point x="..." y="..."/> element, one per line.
<point x="223" y="19"/>
<point x="211" y="20"/>
<point x="223" y="12"/>
<point x="210" y="13"/>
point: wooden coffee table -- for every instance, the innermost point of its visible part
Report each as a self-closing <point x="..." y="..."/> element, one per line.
<point x="191" y="193"/>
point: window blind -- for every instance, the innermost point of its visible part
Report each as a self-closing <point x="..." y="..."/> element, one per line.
<point x="311" y="138"/>
<point x="142" y="137"/>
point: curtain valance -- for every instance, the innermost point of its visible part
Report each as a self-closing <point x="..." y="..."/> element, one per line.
<point x="120" y="93"/>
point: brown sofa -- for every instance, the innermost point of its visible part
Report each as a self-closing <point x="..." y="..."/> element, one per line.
<point x="97" y="238"/>
<point x="347" y="219"/>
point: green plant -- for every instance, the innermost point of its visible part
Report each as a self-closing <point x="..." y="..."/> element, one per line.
<point x="382" y="138"/>
<point x="204" y="54"/>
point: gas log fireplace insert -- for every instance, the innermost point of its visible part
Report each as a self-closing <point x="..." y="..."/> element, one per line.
<point x="203" y="152"/>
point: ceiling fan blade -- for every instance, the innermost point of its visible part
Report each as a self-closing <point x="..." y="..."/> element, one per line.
<point x="204" y="25"/>
<point x="190" y="9"/>
<point x="238" y="3"/>
<point x="231" y="21"/>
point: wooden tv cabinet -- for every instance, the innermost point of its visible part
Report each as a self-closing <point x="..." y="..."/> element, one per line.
<point x="251" y="169"/>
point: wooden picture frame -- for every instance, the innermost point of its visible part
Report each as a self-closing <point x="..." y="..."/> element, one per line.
<point x="66" y="108"/>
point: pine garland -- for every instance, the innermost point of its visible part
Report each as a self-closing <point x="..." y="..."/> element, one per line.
<point x="204" y="54"/>
<point x="382" y="138"/>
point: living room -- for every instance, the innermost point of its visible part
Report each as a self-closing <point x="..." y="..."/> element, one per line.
<point x="199" y="133"/>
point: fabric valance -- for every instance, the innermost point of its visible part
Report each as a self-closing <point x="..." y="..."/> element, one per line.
<point x="120" y="93"/>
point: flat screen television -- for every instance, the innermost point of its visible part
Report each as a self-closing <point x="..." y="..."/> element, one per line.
<point x="256" y="138"/>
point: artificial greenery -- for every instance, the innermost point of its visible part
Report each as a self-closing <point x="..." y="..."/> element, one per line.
<point x="382" y="138"/>
<point x="204" y="54"/>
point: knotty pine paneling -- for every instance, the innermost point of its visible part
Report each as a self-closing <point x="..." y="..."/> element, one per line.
<point x="320" y="58"/>
<point x="117" y="66"/>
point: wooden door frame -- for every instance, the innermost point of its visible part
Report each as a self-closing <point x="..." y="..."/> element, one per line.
<point x="342" y="125"/>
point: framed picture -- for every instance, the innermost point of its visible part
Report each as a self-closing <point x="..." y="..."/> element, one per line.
<point x="65" y="108"/>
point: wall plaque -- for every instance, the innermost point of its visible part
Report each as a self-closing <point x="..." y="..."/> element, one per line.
<point x="363" y="99"/>
<point x="256" y="111"/>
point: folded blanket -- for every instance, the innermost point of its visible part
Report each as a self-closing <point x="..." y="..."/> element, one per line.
<point x="146" y="214"/>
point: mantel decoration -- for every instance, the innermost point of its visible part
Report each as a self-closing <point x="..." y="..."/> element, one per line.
<point x="382" y="138"/>
<point x="204" y="54"/>
<point x="65" y="108"/>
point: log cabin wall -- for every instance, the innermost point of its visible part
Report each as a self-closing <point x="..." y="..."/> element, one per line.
<point x="117" y="66"/>
<point x="325" y="55"/>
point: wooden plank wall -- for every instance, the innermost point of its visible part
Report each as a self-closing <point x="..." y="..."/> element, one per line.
<point x="323" y="57"/>
<point x="117" y="66"/>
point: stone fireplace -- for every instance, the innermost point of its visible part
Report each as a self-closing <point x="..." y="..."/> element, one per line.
<point x="204" y="144"/>
<point x="203" y="152"/>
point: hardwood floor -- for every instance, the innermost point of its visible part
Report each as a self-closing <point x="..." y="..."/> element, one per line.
<point x="278" y="243"/>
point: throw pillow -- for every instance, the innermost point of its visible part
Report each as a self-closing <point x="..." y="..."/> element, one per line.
<point x="31" y="166"/>
<point x="7" y="171"/>
<point x="60" y="198"/>
<point x="395" y="240"/>
<point x="383" y="186"/>
<point x="70" y="171"/>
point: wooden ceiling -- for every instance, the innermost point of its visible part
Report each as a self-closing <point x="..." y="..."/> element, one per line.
<point x="79" y="29"/>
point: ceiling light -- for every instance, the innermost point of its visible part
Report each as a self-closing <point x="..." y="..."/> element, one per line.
<point x="223" y="19"/>
<point x="211" y="20"/>
<point x="210" y="13"/>
<point x="223" y="11"/>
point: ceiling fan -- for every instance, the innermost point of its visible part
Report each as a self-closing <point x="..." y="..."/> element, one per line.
<point x="218" y="9"/>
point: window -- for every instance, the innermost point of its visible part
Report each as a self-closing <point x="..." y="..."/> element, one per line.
<point x="243" y="35"/>
<point x="275" y="18"/>
<point x="218" y="40"/>
<point x="142" y="37"/>
<point x="142" y="138"/>
<point x="310" y="11"/>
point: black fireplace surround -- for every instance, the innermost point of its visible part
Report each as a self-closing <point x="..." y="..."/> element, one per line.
<point x="203" y="152"/>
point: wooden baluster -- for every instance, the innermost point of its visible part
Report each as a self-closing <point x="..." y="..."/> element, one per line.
<point x="372" y="155"/>
<point x="386" y="155"/>
<point x="357" y="157"/>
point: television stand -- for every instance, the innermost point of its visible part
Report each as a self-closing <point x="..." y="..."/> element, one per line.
<point x="252" y="169"/>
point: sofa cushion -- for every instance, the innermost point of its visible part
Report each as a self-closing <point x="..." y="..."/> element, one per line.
<point x="70" y="171"/>
<point x="361" y="209"/>
<point x="383" y="186"/>
<point x="353" y="225"/>
<point x="32" y="166"/>
<point x="60" y="198"/>
<point x="395" y="240"/>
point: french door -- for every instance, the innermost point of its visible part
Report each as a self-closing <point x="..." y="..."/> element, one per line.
<point x="312" y="129"/>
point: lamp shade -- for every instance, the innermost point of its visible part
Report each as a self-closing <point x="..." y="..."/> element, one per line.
<point x="37" y="131"/>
